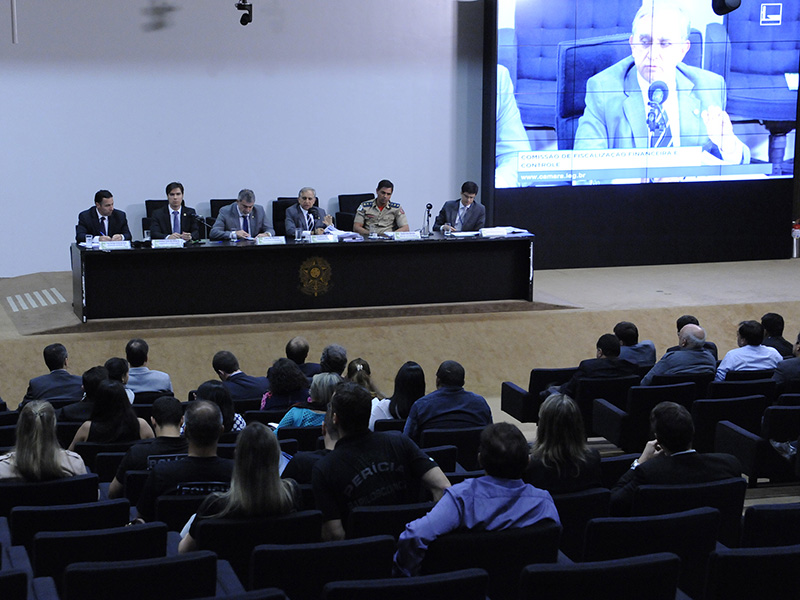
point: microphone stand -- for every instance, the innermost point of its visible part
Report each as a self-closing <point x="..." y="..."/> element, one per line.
<point x="426" y="226"/>
<point x="201" y="219"/>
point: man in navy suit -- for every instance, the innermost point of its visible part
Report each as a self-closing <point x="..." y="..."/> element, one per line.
<point x="176" y="220"/>
<point x="463" y="214"/>
<point x="103" y="221"/>
<point x="59" y="383"/>
<point x="669" y="459"/>
<point x="242" y="220"/>
<point x="305" y="216"/>
<point x="240" y="385"/>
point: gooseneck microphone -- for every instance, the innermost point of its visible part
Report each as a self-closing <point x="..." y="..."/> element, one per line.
<point x="657" y="94"/>
<point x="426" y="226"/>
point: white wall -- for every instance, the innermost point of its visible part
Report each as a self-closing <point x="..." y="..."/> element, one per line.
<point x="335" y="94"/>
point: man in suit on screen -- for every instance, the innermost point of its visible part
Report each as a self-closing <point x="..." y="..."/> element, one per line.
<point x="690" y="101"/>
<point x="176" y="220"/>
<point x="102" y="221"/>
<point x="463" y="214"/>
<point x="242" y="220"/>
<point x="305" y="216"/>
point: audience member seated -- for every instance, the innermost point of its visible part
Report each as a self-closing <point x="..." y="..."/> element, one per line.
<point x="59" y="384"/>
<point x="113" y="419"/>
<point x="140" y="377"/>
<point x="203" y="428"/>
<point x="240" y="385"/>
<point x="690" y="357"/>
<point x="367" y="468"/>
<point x="358" y="371"/>
<point x="498" y="500"/>
<point x="333" y="359"/>
<point x="118" y="371"/>
<point x="311" y="413"/>
<point x="789" y="369"/>
<point x="297" y="350"/>
<point x="670" y="459"/>
<point x="685" y="320"/>
<point x="301" y="466"/>
<point x="288" y="386"/>
<point x="631" y="349"/>
<point x="607" y="364"/>
<point x="751" y="355"/>
<point x="166" y="419"/>
<point x="773" y="334"/>
<point x="37" y="455"/>
<point x="449" y="407"/>
<point x="561" y="461"/>
<point x="409" y="386"/>
<point x="216" y="392"/>
<point x="256" y="488"/>
<point x="82" y="411"/>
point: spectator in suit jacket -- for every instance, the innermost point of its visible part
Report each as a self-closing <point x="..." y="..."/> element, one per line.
<point x="788" y="369"/>
<point x="59" y="384"/>
<point x="297" y="350"/>
<point x="240" y="385"/>
<point x="464" y="214"/>
<point x="670" y="459"/>
<point x="607" y="364"/>
<point x="682" y="322"/>
<point x="140" y="377"/>
<point x="631" y="349"/>
<point x="773" y="334"/>
<point x="690" y="357"/>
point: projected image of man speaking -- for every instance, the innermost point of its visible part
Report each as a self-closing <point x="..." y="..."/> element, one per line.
<point x="651" y="99"/>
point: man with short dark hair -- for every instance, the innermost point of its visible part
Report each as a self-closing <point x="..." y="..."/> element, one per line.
<point x="297" y="350"/>
<point x="788" y="369"/>
<point x="464" y="214"/>
<point x="631" y="349"/>
<point x="499" y="500"/>
<point x="166" y="418"/>
<point x="682" y="322"/>
<point x="773" y="334"/>
<point x="449" y="407"/>
<point x="333" y="359"/>
<point x="175" y="221"/>
<point x="670" y="459"/>
<point x="751" y="355"/>
<point x="140" y="377"/>
<point x="690" y="358"/>
<point x="102" y="221"/>
<point x="59" y="384"/>
<point x="380" y="215"/>
<point x="242" y="220"/>
<point x="240" y="385"/>
<point x="367" y="468"/>
<point x="203" y="426"/>
<point x="607" y="364"/>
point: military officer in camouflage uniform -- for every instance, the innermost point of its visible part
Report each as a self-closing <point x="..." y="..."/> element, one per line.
<point x="380" y="215"/>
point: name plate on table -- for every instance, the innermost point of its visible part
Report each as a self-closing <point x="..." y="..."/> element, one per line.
<point x="278" y="240"/>
<point x="404" y="236"/>
<point x="489" y="232"/>
<point x="324" y="239"/>
<point x="123" y="245"/>
<point x="173" y="243"/>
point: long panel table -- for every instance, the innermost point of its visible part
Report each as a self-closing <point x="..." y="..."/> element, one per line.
<point x="216" y="277"/>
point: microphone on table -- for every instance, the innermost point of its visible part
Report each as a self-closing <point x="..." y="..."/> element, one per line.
<point x="426" y="227"/>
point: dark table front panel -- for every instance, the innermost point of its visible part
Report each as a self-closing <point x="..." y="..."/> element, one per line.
<point x="243" y="277"/>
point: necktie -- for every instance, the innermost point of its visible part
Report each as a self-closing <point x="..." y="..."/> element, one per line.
<point x="176" y="222"/>
<point x="310" y="222"/>
<point x="662" y="136"/>
<point x="103" y="230"/>
<point x="245" y="227"/>
<point x="460" y="217"/>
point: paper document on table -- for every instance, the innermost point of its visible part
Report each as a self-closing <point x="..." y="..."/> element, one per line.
<point x="792" y="80"/>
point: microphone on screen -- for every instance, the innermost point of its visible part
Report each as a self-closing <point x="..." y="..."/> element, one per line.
<point x="657" y="94"/>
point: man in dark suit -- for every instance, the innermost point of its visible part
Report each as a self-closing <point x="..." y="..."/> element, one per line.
<point x="176" y="220"/>
<point x="670" y="459"/>
<point x="297" y="350"/>
<point x="788" y="369"/>
<point x="103" y="221"/>
<point x="682" y="322"/>
<point x="773" y="334"/>
<point x="463" y="214"/>
<point x="240" y="385"/>
<point x="607" y="365"/>
<point x="305" y="216"/>
<point x="242" y="220"/>
<point x="59" y="383"/>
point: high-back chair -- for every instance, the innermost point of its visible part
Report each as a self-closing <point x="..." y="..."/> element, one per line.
<point x="467" y="584"/>
<point x="68" y="490"/>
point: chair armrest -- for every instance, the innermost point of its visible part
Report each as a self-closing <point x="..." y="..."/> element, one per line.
<point x="718" y="50"/>
<point x="518" y="403"/>
<point x="743" y="444"/>
<point x="5" y="533"/>
<point x="608" y="421"/>
<point x="16" y="557"/>
<point x="173" y="539"/>
<point x="43" y="588"/>
<point x="563" y="559"/>
<point x="227" y="581"/>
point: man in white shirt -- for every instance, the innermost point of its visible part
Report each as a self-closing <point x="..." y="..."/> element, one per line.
<point x="751" y="355"/>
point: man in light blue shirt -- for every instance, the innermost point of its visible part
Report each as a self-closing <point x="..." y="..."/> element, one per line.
<point x="141" y="378"/>
<point x="751" y="355"/>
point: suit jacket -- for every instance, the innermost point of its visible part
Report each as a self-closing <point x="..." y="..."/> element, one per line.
<point x="246" y="387"/>
<point x="692" y="467"/>
<point x="710" y="346"/>
<point x="787" y="370"/>
<point x="615" y="113"/>
<point x="296" y="220"/>
<point x="58" y="384"/>
<point x="474" y="220"/>
<point x="161" y="223"/>
<point x="598" y="367"/>
<point x="228" y="220"/>
<point x="89" y="223"/>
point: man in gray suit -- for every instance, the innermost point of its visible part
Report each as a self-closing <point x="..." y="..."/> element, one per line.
<point x="305" y="216"/>
<point x="242" y="220"/>
<point x="463" y="214"/>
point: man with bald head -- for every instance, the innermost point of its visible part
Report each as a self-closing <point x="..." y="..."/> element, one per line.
<point x="690" y="358"/>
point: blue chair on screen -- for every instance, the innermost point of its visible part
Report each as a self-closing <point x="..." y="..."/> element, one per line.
<point x="753" y="57"/>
